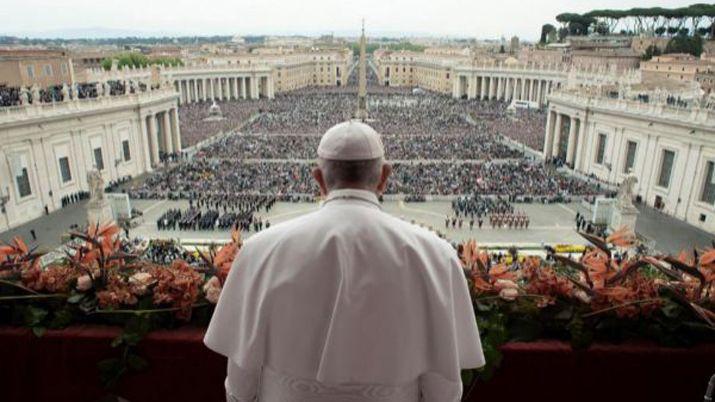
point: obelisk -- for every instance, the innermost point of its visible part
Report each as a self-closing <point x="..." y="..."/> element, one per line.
<point x="361" y="113"/>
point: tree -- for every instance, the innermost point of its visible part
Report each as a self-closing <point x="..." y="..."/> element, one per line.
<point x="546" y="31"/>
<point x="563" y="33"/>
<point x="502" y="50"/>
<point x="650" y="52"/>
<point x="138" y="60"/>
<point x="685" y="44"/>
<point x="660" y="31"/>
<point x="601" y="28"/>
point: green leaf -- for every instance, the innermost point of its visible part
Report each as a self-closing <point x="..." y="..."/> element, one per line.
<point x="61" y="318"/>
<point x="34" y="315"/>
<point x="110" y="370"/>
<point x="136" y="362"/>
<point x="75" y="298"/>
<point x="117" y="341"/>
<point x="39" y="331"/>
<point x="524" y="329"/>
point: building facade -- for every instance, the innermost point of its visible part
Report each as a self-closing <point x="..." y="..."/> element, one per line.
<point x="670" y="149"/>
<point x="260" y="74"/>
<point x="26" y="68"/>
<point x="678" y="67"/>
<point x="46" y="150"/>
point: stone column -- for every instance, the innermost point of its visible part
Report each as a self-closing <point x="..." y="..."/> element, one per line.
<point x="196" y="90"/>
<point x="154" y="138"/>
<point x="523" y="89"/>
<point x="538" y="92"/>
<point x="235" y="88"/>
<point x="557" y="135"/>
<point x="581" y="143"/>
<point x="176" y="130"/>
<point x="532" y="96"/>
<point x="549" y="135"/>
<point x="243" y="87"/>
<point x="167" y="133"/>
<point x="507" y="89"/>
<point x="181" y="92"/>
<point x="470" y="87"/>
<point x="482" y="88"/>
<point x="500" y="87"/>
<point x="271" y="90"/>
<point x="254" y="88"/>
<point x="571" y="145"/>
<point x="515" y="93"/>
<point x="146" y="143"/>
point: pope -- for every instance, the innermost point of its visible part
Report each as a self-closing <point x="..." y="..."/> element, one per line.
<point x="347" y="303"/>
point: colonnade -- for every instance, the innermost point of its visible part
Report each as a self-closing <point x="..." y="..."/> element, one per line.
<point x="565" y="138"/>
<point x="504" y="87"/>
<point x="160" y="130"/>
<point x="203" y="89"/>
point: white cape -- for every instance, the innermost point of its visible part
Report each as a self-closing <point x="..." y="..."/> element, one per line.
<point x="348" y="294"/>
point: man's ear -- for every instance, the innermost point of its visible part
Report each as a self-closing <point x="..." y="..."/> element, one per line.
<point x="318" y="176"/>
<point x="384" y="175"/>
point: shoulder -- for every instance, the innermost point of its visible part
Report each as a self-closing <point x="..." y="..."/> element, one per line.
<point x="420" y="237"/>
<point x="280" y="230"/>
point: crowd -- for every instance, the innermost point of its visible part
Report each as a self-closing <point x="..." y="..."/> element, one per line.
<point x="525" y="181"/>
<point x="438" y="146"/>
<point x="74" y="198"/>
<point x="525" y="126"/>
<point x="195" y="128"/>
<point x="397" y="147"/>
<point x="10" y="96"/>
<point x="167" y="251"/>
<point x="219" y="213"/>
<point x="477" y="208"/>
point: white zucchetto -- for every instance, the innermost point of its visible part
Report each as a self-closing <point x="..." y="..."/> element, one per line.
<point x="351" y="141"/>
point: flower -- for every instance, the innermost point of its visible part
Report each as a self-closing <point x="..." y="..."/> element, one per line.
<point x="509" y="294"/>
<point x="84" y="283"/>
<point x="117" y="293"/>
<point x="212" y="289"/>
<point x="139" y="282"/>
<point x="177" y="285"/>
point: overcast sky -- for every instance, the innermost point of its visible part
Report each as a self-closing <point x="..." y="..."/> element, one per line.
<point x="464" y="18"/>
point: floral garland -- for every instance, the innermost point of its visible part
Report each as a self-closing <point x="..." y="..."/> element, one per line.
<point x="613" y="291"/>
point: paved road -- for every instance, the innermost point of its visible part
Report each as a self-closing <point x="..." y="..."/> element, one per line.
<point x="550" y="224"/>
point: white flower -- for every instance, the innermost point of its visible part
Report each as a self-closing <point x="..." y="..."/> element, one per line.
<point x="84" y="283"/>
<point x="505" y="284"/>
<point x="212" y="289"/>
<point x="581" y="295"/>
<point x="140" y="282"/>
<point x="509" y="294"/>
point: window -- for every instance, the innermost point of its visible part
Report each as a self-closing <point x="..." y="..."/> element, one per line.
<point x="47" y="70"/>
<point x="31" y="71"/>
<point x="65" y="172"/>
<point x="630" y="156"/>
<point x="125" y="150"/>
<point x="666" y="167"/>
<point x="23" y="183"/>
<point x="601" y="150"/>
<point x="98" y="160"/>
<point x="708" y="193"/>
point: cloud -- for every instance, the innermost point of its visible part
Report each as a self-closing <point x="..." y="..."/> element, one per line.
<point x="437" y="17"/>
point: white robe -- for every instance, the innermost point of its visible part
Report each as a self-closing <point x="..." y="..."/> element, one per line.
<point x="347" y="301"/>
